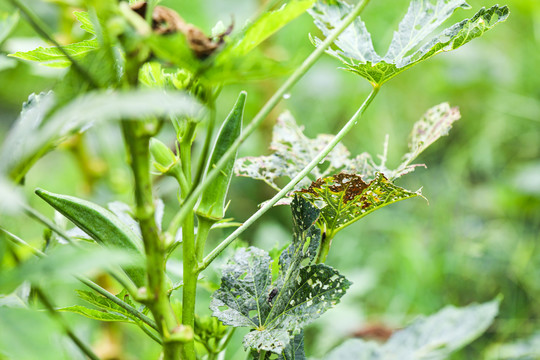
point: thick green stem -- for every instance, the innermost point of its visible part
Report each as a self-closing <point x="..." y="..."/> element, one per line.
<point x="316" y="160"/>
<point x="188" y="243"/>
<point x="138" y="143"/>
<point x="326" y="242"/>
<point x="190" y="202"/>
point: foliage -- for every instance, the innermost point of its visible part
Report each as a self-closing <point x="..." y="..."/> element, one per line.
<point x="142" y="69"/>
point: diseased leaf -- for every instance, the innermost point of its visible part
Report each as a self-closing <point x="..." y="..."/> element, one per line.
<point x="525" y="349"/>
<point x="346" y="198"/>
<point x="280" y="310"/>
<point x="292" y="152"/>
<point x="54" y="57"/>
<point x="434" y="337"/>
<point x="94" y="314"/>
<point x="411" y="43"/>
<point x="436" y="122"/>
<point x="295" y="349"/>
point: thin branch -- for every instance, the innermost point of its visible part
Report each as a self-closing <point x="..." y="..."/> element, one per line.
<point x="190" y="202"/>
<point x="344" y="130"/>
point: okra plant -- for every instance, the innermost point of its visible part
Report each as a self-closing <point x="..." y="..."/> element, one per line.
<point x="144" y="68"/>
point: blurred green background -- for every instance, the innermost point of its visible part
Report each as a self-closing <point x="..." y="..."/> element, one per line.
<point x="477" y="238"/>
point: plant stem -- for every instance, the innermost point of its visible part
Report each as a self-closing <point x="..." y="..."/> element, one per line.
<point x="189" y="203"/>
<point x="138" y="143"/>
<point x="188" y="243"/>
<point x="326" y="242"/>
<point x="344" y="130"/>
<point x="203" y="228"/>
<point x="50" y="308"/>
<point x="203" y="159"/>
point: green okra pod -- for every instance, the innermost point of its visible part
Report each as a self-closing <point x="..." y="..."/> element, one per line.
<point x="212" y="203"/>
<point x="102" y="225"/>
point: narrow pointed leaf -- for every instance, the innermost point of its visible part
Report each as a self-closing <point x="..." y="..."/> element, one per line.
<point x="53" y="57"/>
<point x="346" y="198"/>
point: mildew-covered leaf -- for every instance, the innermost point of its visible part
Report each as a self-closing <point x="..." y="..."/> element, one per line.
<point x="434" y="337"/>
<point x="411" y="44"/>
<point x="292" y="152"/>
<point x="345" y="198"/>
<point x="279" y="310"/>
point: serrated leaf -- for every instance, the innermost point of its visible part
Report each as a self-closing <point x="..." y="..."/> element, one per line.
<point x="86" y="24"/>
<point x="54" y="57"/>
<point x="279" y="310"/>
<point x="94" y="314"/>
<point x="346" y="198"/>
<point x="411" y="43"/>
<point x="7" y="24"/>
<point x="434" y="337"/>
<point x="292" y="152"/>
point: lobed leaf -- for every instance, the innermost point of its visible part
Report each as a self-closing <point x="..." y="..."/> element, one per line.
<point x="411" y="43"/>
<point x="279" y="310"/>
<point x="434" y="337"/>
<point x="54" y="57"/>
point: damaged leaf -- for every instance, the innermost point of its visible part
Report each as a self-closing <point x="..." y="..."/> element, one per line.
<point x="278" y="310"/>
<point x="346" y="198"/>
<point x="411" y="44"/>
<point x="292" y="152"/>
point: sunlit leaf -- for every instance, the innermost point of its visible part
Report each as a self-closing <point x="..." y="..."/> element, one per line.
<point x="278" y="310"/>
<point x="54" y="57"/>
<point x="434" y="337"/>
<point x="411" y="44"/>
<point x="346" y="198"/>
<point x="86" y="24"/>
<point x="266" y="25"/>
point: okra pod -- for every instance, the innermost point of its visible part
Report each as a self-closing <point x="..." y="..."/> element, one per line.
<point x="212" y="203"/>
<point x="102" y="225"/>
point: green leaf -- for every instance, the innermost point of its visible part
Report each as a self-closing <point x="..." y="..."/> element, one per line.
<point x="265" y="26"/>
<point x="434" y="337"/>
<point x="86" y="24"/>
<point x="346" y="198"/>
<point x="278" y="310"/>
<point x="526" y="349"/>
<point x="411" y="44"/>
<point x="54" y="57"/>
<point x="7" y="24"/>
<point x="94" y="314"/>
<point x="295" y="349"/>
